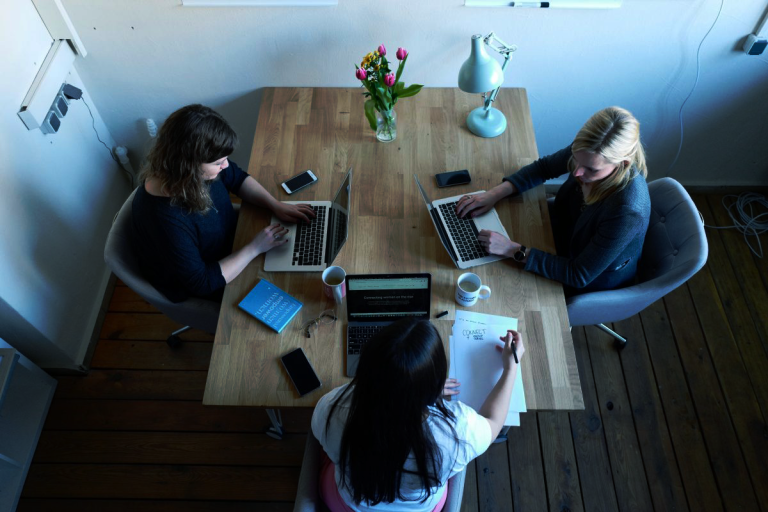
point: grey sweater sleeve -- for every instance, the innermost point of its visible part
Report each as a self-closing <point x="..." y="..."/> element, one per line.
<point x="616" y="230"/>
<point x="543" y="169"/>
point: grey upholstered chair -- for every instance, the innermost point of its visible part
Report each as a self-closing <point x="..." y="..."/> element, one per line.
<point x="675" y="248"/>
<point x="308" y="495"/>
<point x="119" y="254"/>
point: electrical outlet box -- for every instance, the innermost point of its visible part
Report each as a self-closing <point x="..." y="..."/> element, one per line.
<point x="60" y="105"/>
<point x="47" y="83"/>
<point x="755" y="45"/>
<point x="51" y="123"/>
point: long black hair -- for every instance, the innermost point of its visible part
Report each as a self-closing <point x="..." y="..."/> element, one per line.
<point x="191" y="136"/>
<point x="401" y="374"/>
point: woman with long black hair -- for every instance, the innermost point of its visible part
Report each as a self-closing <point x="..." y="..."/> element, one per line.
<point x="391" y="440"/>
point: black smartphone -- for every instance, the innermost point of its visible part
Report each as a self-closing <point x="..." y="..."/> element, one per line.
<point x="300" y="371"/>
<point x="299" y="181"/>
<point x="449" y="179"/>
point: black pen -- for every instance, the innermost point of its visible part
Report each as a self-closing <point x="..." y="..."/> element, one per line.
<point x="440" y="315"/>
<point x="514" y="352"/>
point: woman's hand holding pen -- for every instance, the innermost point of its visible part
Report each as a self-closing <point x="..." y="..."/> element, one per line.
<point x="513" y="349"/>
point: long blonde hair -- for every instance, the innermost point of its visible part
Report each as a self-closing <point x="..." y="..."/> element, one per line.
<point x="614" y="134"/>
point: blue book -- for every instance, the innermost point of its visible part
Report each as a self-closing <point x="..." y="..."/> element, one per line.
<point x="271" y="305"/>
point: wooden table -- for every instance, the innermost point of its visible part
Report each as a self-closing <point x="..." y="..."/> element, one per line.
<point x="390" y="231"/>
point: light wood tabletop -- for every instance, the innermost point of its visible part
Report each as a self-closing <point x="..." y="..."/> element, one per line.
<point x="325" y="129"/>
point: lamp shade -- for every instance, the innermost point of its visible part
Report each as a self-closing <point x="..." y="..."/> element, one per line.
<point x="480" y="73"/>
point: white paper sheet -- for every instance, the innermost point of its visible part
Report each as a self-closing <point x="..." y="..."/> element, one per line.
<point x="476" y="363"/>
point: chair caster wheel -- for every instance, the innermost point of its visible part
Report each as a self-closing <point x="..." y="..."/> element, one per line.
<point x="173" y="341"/>
<point x="619" y="344"/>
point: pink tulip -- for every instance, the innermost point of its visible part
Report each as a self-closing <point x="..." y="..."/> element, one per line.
<point x="389" y="79"/>
<point x="401" y="53"/>
<point x="382" y="50"/>
<point x="361" y="74"/>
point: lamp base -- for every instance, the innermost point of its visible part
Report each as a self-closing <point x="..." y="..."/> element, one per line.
<point x="486" y="123"/>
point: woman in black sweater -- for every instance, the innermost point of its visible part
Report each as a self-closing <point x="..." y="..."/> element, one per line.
<point x="182" y="213"/>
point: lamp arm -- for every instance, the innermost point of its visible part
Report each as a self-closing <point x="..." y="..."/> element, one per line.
<point x="498" y="45"/>
<point x="489" y="101"/>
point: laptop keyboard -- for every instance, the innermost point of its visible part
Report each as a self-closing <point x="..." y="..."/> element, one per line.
<point x="357" y="335"/>
<point x="308" y="249"/>
<point x="464" y="234"/>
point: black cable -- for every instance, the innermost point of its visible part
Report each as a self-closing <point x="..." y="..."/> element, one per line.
<point x="93" y="124"/>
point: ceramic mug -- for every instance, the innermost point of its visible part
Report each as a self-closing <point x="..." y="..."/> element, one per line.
<point x="334" y="285"/>
<point x="469" y="288"/>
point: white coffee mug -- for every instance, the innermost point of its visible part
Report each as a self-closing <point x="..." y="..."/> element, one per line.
<point x="334" y="286"/>
<point x="469" y="288"/>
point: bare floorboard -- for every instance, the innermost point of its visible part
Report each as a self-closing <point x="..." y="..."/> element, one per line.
<point x="677" y="421"/>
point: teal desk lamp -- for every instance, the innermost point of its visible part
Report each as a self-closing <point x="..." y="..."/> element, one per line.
<point x="481" y="73"/>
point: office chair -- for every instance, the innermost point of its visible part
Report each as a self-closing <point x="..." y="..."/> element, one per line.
<point x="308" y="496"/>
<point x="675" y="248"/>
<point x="118" y="253"/>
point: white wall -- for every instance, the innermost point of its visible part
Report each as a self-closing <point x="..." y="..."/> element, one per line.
<point x="149" y="57"/>
<point x="58" y="196"/>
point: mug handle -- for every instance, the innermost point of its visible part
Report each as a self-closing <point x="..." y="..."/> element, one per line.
<point x="337" y="293"/>
<point x="486" y="295"/>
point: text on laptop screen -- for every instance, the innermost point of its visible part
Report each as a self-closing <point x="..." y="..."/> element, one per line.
<point x="387" y="298"/>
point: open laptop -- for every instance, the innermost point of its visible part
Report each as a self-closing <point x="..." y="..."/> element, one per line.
<point x="376" y="300"/>
<point x="459" y="236"/>
<point x="313" y="247"/>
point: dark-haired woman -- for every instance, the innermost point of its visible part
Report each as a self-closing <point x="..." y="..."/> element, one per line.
<point x="182" y="212"/>
<point x="392" y="442"/>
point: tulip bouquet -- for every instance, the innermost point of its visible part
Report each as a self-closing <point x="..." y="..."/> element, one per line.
<point x="383" y="88"/>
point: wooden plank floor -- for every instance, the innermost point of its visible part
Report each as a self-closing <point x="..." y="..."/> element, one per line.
<point x="677" y="421"/>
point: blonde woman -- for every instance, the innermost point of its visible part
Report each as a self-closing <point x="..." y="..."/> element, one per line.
<point x="600" y="214"/>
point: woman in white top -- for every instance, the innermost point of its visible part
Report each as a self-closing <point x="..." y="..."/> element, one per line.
<point x="391" y="440"/>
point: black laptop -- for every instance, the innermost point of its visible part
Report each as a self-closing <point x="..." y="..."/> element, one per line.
<point x="376" y="300"/>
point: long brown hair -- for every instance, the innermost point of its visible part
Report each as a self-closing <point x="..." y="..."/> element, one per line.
<point x="191" y="136"/>
<point x="614" y="134"/>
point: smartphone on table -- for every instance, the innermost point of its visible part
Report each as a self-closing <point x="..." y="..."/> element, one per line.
<point x="299" y="181"/>
<point x="300" y="371"/>
<point x="449" y="179"/>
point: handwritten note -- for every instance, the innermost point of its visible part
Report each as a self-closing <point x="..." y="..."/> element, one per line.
<point x="476" y="362"/>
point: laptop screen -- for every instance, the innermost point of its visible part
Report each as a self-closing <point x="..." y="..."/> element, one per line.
<point x="338" y="220"/>
<point x="378" y="297"/>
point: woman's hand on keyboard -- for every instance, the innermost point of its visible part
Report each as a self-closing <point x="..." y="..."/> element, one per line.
<point x="478" y="204"/>
<point x="474" y="205"/>
<point x="294" y="213"/>
<point x="496" y="243"/>
<point x="269" y="238"/>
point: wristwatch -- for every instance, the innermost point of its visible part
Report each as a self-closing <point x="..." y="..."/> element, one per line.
<point x="520" y="254"/>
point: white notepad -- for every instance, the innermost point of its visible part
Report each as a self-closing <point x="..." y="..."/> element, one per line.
<point x="476" y="363"/>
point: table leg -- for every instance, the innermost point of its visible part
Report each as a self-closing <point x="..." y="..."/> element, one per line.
<point x="276" y="430"/>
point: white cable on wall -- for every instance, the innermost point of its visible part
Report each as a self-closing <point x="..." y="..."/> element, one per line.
<point x="745" y="219"/>
<point x="695" y="83"/>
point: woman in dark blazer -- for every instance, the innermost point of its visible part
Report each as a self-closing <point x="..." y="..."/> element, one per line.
<point x="600" y="214"/>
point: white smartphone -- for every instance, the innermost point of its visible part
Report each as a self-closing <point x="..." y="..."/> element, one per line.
<point x="299" y="182"/>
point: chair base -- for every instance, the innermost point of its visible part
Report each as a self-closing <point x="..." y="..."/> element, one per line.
<point x="619" y="341"/>
<point x="173" y="340"/>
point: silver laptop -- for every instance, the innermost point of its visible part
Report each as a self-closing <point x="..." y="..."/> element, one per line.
<point x="459" y="236"/>
<point x="376" y="300"/>
<point x="313" y="247"/>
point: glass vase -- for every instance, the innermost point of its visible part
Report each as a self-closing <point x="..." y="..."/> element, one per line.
<point x="386" y="125"/>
